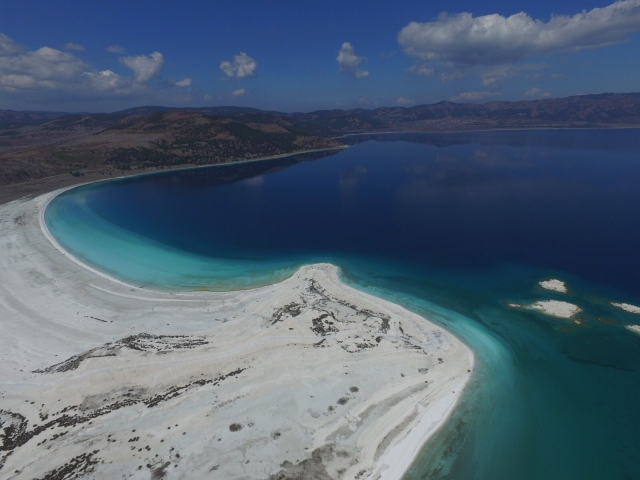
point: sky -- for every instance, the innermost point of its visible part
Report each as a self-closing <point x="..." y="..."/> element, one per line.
<point x="84" y="56"/>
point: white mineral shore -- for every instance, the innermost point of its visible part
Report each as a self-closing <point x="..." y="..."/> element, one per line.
<point x="307" y="378"/>
<point x="627" y="307"/>
<point x="554" y="284"/>
<point x="634" y="328"/>
<point x="554" y="308"/>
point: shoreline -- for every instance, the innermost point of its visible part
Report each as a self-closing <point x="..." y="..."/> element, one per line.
<point x="517" y="129"/>
<point x="381" y="423"/>
<point x="63" y="180"/>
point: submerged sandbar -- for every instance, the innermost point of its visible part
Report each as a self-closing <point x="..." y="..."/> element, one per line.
<point x="306" y="377"/>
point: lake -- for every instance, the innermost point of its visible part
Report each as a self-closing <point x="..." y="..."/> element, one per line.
<point x="453" y="226"/>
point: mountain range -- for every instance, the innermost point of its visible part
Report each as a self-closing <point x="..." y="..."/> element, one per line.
<point x="34" y="145"/>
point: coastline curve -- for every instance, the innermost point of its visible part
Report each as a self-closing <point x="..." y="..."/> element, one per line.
<point x="401" y="399"/>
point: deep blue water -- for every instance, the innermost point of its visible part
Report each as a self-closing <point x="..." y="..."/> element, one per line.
<point x="453" y="226"/>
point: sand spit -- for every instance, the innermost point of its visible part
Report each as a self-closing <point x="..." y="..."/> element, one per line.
<point x="627" y="307"/>
<point x="555" y="308"/>
<point x="554" y="284"/>
<point x="634" y="328"/>
<point x="307" y="378"/>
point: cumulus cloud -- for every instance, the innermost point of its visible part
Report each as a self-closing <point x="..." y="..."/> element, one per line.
<point x="45" y="67"/>
<point x="47" y="76"/>
<point x="465" y="40"/>
<point x="536" y="93"/>
<point x="144" y="67"/>
<point x="239" y="92"/>
<point x="116" y="49"/>
<point x="467" y="97"/>
<point x="185" y="82"/>
<point x="50" y="70"/>
<point x="503" y="72"/>
<point x="106" y="80"/>
<point x="403" y="101"/>
<point x="423" y="70"/>
<point x="8" y="47"/>
<point x="243" y="66"/>
<point x="349" y="61"/>
<point x="74" y="46"/>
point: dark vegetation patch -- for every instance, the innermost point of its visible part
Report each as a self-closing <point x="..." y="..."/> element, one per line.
<point x="160" y="472"/>
<point x="313" y="468"/>
<point x="324" y="324"/>
<point x="74" y="468"/>
<point x="16" y="433"/>
<point x="293" y="309"/>
<point x="142" y="342"/>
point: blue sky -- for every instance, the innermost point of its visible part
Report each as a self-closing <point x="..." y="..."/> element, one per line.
<point x="302" y="56"/>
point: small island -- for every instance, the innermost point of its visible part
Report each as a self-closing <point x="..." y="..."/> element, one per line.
<point x="554" y="285"/>
<point x="554" y="308"/>
<point x="627" y="307"/>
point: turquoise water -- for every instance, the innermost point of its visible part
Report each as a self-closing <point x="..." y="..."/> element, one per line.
<point x="452" y="226"/>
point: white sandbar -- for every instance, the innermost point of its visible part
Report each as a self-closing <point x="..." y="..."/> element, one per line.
<point x="554" y="308"/>
<point x="634" y="328"/>
<point x="307" y="378"/>
<point x="627" y="307"/>
<point x="554" y="284"/>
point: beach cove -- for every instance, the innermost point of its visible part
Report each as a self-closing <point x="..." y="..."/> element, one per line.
<point x="303" y="376"/>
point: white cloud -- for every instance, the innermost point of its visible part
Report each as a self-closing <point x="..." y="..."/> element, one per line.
<point x="502" y="72"/>
<point x="404" y="101"/>
<point x="239" y="92"/>
<point x="44" y="68"/>
<point x="349" y="61"/>
<point x="452" y="76"/>
<point x="107" y="80"/>
<point x="243" y="66"/>
<point x="423" y="70"/>
<point x="537" y="93"/>
<point x="116" y="49"/>
<point x="363" y="101"/>
<point x="8" y="47"/>
<point x="74" y="46"/>
<point x="47" y="78"/>
<point x="467" y="97"/>
<point x="465" y="40"/>
<point x="144" y="67"/>
<point x="207" y="97"/>
<point x="185" y="82"/>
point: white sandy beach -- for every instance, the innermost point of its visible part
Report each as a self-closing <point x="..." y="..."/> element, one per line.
<point x="308" y="378"/>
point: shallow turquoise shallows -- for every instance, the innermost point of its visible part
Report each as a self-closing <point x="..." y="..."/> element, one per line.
<point x="453" y="226"/>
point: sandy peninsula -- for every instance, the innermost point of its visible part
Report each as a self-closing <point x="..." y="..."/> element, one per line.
<point x="307" y="378"/>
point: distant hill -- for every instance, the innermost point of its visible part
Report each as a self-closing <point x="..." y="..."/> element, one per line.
<point x="14" y="118"/>
<point x="40" y="144"/>
<point x="594" y="111"/>
<point x="583" y="111"/>
<point x="117" y="142"/>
